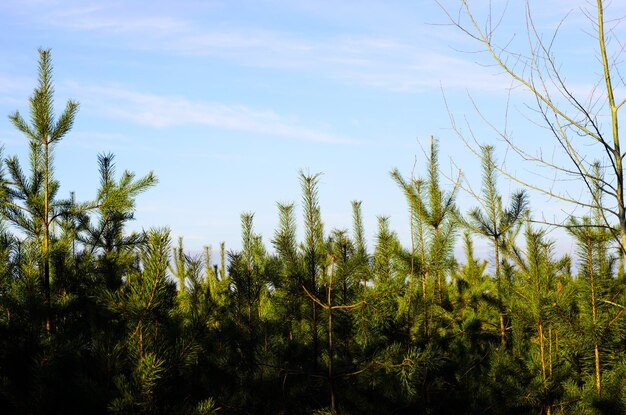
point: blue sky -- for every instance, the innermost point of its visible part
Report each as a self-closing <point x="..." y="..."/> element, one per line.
<point x="227" y="100"/>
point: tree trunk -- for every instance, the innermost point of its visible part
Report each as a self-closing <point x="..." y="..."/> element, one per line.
<point x="592" y="283"/>
<point x="46" y="238"/>
<point x="330" y="338"/>
<point x="499" y="291"/>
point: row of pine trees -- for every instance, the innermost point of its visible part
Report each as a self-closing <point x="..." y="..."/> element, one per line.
<point x="97" y="319"/>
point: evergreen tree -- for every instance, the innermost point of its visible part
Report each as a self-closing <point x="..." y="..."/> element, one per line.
<point x="313" y="251"/>
<point x="434" y="223"/>
<point x="492" y="221"/>
<point x="32" y="204"/>
<point x="106" y="238"/>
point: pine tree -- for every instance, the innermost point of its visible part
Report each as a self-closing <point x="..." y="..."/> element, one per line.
<point x="179" y="269"/>
<point x="492" y="221"/>
<point x="338" y="253"/>
<point x="313" y="250"/>
<point x="105" y="237"/>
<point x="594" y="267"/>
<point x="361" y="258"/>
<point x="291" y="275"/>
<point x="535" y="295"/>
<point x="145" y="304"/>
<point x="433" y="224"/>
<point x="32" y="204"/>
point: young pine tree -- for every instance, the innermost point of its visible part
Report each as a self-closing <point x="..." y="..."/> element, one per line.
<point x="105" y="237"/>
<point x="492" y="221"/>
<point x="313" y="251"/>
<point x="433" y="227"/>
<point x="32" y="204"/>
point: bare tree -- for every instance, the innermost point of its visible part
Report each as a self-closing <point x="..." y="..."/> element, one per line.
<point x="581" y="123"/>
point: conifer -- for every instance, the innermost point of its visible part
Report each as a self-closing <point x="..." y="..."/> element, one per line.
<point x="32" y="203"/>
<point x="492" y="221"/>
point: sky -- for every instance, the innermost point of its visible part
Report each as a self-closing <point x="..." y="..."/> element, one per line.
<point x="226" y="101"/>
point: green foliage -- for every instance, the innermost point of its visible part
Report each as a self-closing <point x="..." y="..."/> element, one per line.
<point x="100" y="320"/>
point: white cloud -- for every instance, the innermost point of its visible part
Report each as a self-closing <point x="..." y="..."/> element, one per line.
<point x="99" y="18"/>
<point x="165" y="111"/>
<point x="403" y="62"/>
<point x="378" y="62"/>
<point x="383" y="58"/>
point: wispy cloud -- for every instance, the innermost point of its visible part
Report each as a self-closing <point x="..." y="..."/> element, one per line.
<point x="412" y="60"/>
<point x="377" y="60"/>
<point x="101" y="18"/>
<point x="165" y="111"/>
